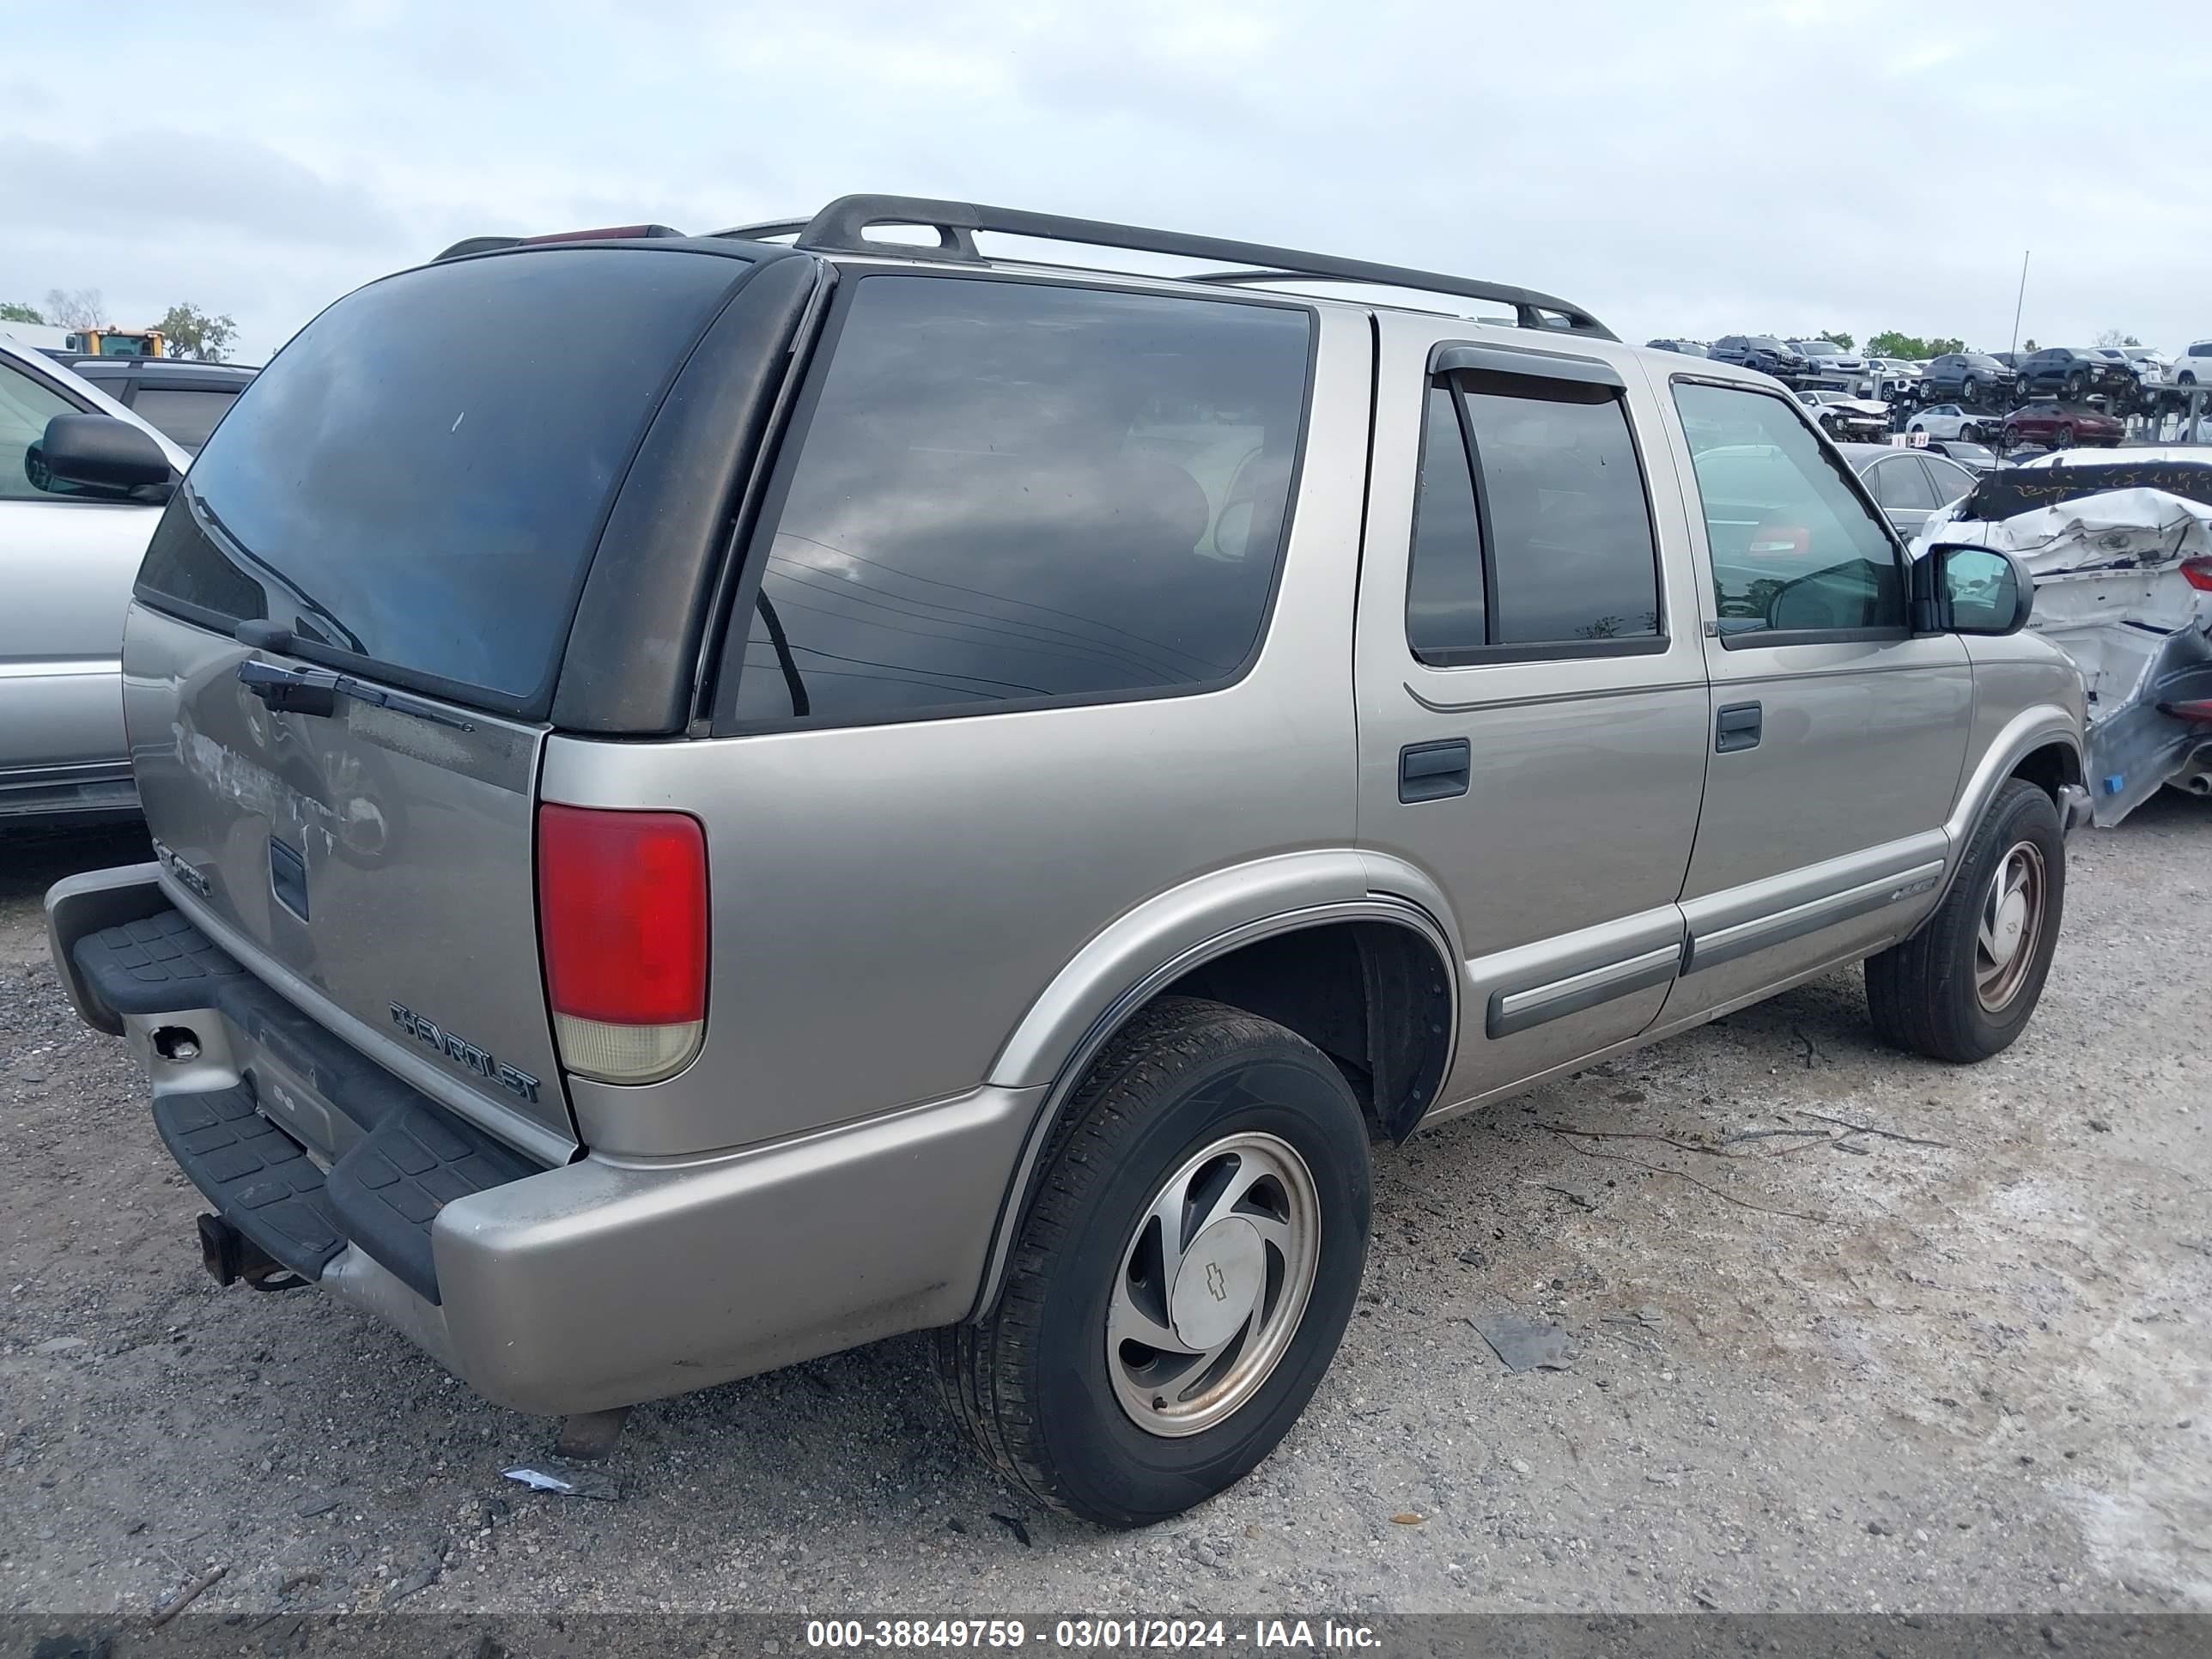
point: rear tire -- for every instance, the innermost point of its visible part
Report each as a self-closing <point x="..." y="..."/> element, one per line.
<point x="1964" y="986"/>
<point x="1191" y="1105"/>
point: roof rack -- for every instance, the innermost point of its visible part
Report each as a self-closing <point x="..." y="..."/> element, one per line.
<point x="842" y="227"/>
<point x="469" y="244"/>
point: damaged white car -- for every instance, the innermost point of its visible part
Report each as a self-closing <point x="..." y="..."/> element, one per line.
<point x="2121" y="552"/>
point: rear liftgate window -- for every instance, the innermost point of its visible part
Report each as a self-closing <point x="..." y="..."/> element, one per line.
<point x="1011" y="493"/>
<point x="416" y="483"/>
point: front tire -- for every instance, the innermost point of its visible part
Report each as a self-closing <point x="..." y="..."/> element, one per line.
<point x="1182" y="1275"/>
<point x="1964" y="986"/>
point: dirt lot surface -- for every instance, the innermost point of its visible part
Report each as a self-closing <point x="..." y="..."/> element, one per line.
<point x="1954" y="1359"/>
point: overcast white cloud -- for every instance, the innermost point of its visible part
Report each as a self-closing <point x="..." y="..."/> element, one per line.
<point x="1697" y="168"/>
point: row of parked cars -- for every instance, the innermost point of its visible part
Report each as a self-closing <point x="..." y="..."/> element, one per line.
<point x="2121" y="373"/>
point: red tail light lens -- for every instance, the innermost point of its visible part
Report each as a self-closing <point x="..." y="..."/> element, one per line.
<point x="2198" y="712"/>
<point x="621" y="905"/>
<point x="2197" y="573"/>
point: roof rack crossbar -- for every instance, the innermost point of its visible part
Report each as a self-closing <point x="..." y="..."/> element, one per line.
<point x="842" y="227"/>
<point x="767" y="232"/>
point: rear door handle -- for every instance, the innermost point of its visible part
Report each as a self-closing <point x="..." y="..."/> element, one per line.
<point x="1737" y="727"/>
<point x="1433" y="771"/>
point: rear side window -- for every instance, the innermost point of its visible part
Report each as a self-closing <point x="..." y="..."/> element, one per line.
<point x="1899" y="482"/>
<point x="417" y="481"/>
<point x="1560" y="560"/>
<point x="1795" y="549"/>
<point x="187" y="414"/>
<point x="1446" y="608"/>
<point x="1008" y="492"/>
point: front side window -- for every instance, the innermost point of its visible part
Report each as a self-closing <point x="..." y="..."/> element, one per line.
<point x="25" y="406"/>
<point x="1795" y="549"/>
<point x="1561" y="559"/>
<point x="1951" y="482"/>
<point x="1011" y="491"/>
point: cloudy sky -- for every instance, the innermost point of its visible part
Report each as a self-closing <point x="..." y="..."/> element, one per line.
<point x="1695" y="168"/>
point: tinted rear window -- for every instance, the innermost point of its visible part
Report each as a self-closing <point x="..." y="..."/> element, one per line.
<point x="187" y="414"/>
<point x="1008" y="492"/>
<point x="419" y="478"/>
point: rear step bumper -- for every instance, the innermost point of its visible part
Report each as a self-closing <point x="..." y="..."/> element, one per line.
<point x="600" y="1283"/>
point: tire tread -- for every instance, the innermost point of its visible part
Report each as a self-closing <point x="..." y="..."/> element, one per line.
<point x="1920" y="994"/>
<point x="977" y="1362"/>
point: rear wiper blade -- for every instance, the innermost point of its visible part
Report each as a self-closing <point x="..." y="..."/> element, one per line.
<point x="317" y="690"/>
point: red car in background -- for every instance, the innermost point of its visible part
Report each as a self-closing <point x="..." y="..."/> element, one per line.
<point x="2061" y="426"/>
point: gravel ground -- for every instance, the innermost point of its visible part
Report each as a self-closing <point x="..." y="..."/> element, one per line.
<point x="1960" y="1365"/>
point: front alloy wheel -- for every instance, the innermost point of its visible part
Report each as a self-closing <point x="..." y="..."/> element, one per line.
<point x="2011" y="924"/>
<point x="1964" y="986"/>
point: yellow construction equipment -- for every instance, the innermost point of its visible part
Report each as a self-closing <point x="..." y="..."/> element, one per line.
<point x="118" y="342"/>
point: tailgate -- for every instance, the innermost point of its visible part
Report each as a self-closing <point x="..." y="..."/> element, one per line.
<point x="372" y="864"/>
<point x="352" y="619"/>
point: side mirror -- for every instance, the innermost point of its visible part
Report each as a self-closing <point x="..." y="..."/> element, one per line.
<point x="99" y="454"/>
<point x="1958" y="588"/>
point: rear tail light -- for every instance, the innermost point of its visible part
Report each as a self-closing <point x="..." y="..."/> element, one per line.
<point x="621" y="904"/>
<point x="2197" y="573"/>
<point x="2196" y="713"/>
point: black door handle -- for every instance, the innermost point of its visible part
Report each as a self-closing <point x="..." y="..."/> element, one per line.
<point x="1433" y="771"/>
<point x="1737" y="727"/>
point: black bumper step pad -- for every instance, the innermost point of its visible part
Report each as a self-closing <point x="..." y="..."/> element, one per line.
<point x="387" y="1190"/>
<point x="259" y="1178"/>
<point x="414" y="1159"/>
<point x="382" y="1195"/>
<point x="156" y="965"/>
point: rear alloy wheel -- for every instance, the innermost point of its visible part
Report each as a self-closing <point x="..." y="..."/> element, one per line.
<point x="1182" y="1273"/>
<point x="1194" y="1328"/>
<point x="1963" y="986"/>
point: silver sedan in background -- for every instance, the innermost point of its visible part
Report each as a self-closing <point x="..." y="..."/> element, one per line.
<point x="1908" y="484"/>
<point x="71" y="535"/>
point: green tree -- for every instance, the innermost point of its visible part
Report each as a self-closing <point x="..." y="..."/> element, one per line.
<point x="1838" y="335"/>
<point x="192" y="332"/>
<point x="1891" y="344"/>
<point x="15" y="311"/>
